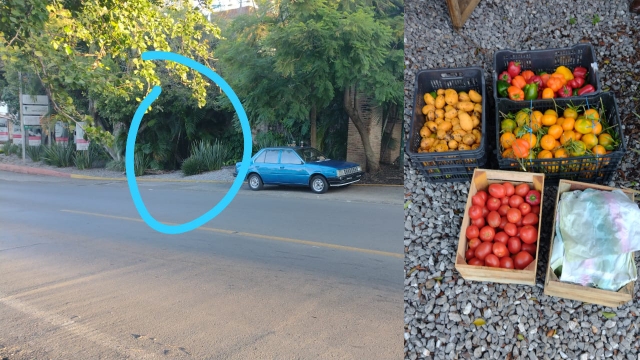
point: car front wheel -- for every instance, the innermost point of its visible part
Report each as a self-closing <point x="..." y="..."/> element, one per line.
<point x="319" y="185"/>
<point x="255" y="182"/>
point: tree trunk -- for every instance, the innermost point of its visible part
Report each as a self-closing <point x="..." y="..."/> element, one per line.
<point x="351" y="108"/>
<point x="312" y="117"/>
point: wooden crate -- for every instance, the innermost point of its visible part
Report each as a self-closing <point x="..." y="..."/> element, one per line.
<point x="554" y="287"/>
<point x="481" y="180"/>
<point x="460" y="10"/>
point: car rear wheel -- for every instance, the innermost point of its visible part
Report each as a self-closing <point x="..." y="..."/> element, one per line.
<point x="319" y="184"/>
<point x="255" y="182"/>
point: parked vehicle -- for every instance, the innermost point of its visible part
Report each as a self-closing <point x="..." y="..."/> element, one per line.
<point x="299" y="166"/>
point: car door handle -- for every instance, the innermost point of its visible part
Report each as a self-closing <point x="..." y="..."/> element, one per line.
<point x="281" y="167"/>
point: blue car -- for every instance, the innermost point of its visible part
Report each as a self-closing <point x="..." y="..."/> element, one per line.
<point x="299" y="166"/>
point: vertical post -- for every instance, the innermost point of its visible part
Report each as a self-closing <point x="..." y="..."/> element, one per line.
<point x="22" y="130"/>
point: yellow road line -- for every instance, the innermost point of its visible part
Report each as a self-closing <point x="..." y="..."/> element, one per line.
<point x="259" y="236"/>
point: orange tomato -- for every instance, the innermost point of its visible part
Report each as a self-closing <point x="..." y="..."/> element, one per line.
<point x="568" y="123"/>
<point x="548" y="93"/>
<point x="590" y="140"/>
<point x="570" y="113"/>
<point x="599" y="150"/>
<point x="584" y="126"/>
<point x="578" y="135"/>
<point x="566" y="136"/>
<point x="508" y="154"/>
<point x="560" y="153"/>
<point x="536" y="122"/>
<point x="591" y="114"/>
<point x="555" y="131"/>
<point x="507" y="139"/>
<point x="547" y="142"/>
<point x="597" y="129"/>
<point x="548" y="119"/>
<point x="520" y="148"/>
<point x="551" y="112"/>
<point x="560" y="121"/>
<point x="531" y="138"/>
<point x="558" y="144"/>
<point x="545" y="154"/>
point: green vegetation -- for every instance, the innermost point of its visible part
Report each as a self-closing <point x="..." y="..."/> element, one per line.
<point x="34" y="152"/>
<point x="205" y="157"/>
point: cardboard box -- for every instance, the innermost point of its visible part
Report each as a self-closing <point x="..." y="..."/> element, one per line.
<point x="481" y="180"/>
<point x="554" y="287"/>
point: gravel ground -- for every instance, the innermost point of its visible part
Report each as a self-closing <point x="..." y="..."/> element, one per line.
<point x="440" y="306"/>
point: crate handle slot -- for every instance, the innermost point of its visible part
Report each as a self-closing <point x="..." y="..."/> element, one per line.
<point x="451" y="76"/>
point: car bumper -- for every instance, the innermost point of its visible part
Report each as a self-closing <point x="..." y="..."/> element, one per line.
<point x="345" y="180"/>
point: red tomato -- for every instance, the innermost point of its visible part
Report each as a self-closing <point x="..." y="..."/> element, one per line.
<point x="479" y="222"/>
<point x="478" y="200"/>
<point x="473" y="243"/>
<point x="519" y="223"/>
<point x="515" y="201"/>
<point x="522" y="190"/>
<point x="492" y="261"/>
<point x="475" y="212"/>
<point x="524" y="208"/>
<point x="483" y="250"/>
<point x="535" y="209"/>
<point x="505" y="200"/>
<point x="493" y="204"/>
<point x="497" y="191"/>
<point x="522" y="259"/>
<point x="469" y="254"/>
<point x="509" y="188"/>
<point x="503" y="222"/>
<point x="506" y="263"/>
<point x="511" y="229"/>
<point x="500" y="250"/>
<point x="514" y="215"/>
<point x="503" y="210"/>
<point x="485" y="211"/>
<point x="483" y="195"/>
<point x="530" y="219"/>
<point x="493" y="219"/>
<point x="476" y="262"/>
<point x="514" y="245"/>
<point x="472" y="232"/>
<point x="530" y="248"/>
<point x="487" y="233"/>
<point x="501" y="237"/>
<point x="528" y="234"/>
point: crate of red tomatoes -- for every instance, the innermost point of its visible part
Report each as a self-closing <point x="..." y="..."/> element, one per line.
<point x="500" y="234"/>
<point x="545" y="74"/>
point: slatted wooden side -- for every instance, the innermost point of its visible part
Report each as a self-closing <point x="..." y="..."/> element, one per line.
<point x="460" y="10"/>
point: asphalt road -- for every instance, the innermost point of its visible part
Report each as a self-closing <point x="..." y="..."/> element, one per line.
<point x="279" y="274"/>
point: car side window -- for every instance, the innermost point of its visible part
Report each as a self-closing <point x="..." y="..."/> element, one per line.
<point x="261" y="157"/>
<point x="272" y="156"/>
<point x="289" y="157"/>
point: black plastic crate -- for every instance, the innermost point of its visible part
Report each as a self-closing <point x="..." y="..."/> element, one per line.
<point x="450" y="166"/>
<point x="548" y="60"/>
<point x="587" y="168"/>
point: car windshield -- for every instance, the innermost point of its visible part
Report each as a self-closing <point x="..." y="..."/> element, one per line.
<point x="311" y="155"/>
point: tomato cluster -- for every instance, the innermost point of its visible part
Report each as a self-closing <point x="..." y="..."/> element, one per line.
<point x="504" y="226"/>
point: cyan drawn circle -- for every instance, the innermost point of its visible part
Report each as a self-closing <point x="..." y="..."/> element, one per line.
<point x="133" y="132"/>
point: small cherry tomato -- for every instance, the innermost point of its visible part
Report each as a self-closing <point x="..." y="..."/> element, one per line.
<point x="530" y="248"/>
<point x="514" y="245"/>
<point x="475" y="212"/>
<point x="483" y="250"/>
<point x="511" y="229"/>
<point x="522" y="190"/>
<point x="530" y="219"/>
<point x="514" y="215"/>
<point x="500" y="250"/>
<point x="492" y="261"/>
<point x="506" y="263"/>
<point x="524" y="208"/>
<point x="522" y="259"/>
<point x="501" y="237"/>
<point x="509" y="188"/>
<point x="479" y="222"/>
<point x="528" y="234"/>
<point x="472" y="232"/>
<point x="515" y="201"/>
<point x="497" y="191"/>
<point x="493" y="204"/>
<point x="473" y="243"/>
<point x="503" y="210"/>
<point x="493" y="219"/>
<point x="469" y="254"/>
<point x="476" y="262"/>
<point x="487" y="233"/>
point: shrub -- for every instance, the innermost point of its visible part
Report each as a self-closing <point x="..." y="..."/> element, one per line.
<point x="34" y="152"/>
<point x="206" y="157"/>
<point x="6" y="148"/>
<point x="141" y="163"/>
<point x="116" y="165"/>
<point x="15" y="149"/>
<point x="59" y="155"/>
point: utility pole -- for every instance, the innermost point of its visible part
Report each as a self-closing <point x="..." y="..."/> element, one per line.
<point x="24" y="137"/>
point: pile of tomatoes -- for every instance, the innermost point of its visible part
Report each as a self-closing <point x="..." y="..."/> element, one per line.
<point x="504" y="226"/>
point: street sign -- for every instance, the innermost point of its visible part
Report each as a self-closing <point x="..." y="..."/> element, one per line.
<point x="81" y="143"/>
<point x="35" y="99"/>
<point x="31" y="120"/>
<point x="35" y="109"/>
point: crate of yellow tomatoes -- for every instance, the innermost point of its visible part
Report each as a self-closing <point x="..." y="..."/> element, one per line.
<point x="447" y="141"/>
<point x="576" y="139"/>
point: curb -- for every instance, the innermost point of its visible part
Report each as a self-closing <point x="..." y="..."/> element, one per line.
<point x="37" y="171"/>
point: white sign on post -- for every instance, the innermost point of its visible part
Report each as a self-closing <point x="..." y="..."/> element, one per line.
<point x="62" y="133"/>
<point x="31" y="120"/>
<point x="35" y="136"/>
<point x="35" y="99"/>
<point x="35" y="110"/>
<point x="81" y="143"/>
<point x="4" y="130"/>
<point x="16" y="135"/>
